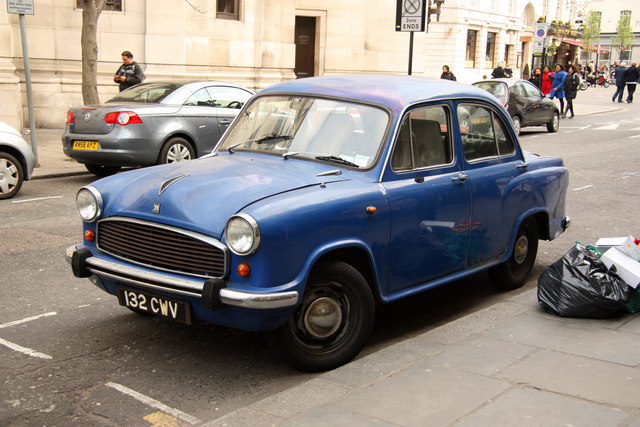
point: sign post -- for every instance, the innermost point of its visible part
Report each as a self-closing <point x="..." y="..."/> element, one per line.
<point x="25" y="7"/>
<point x="410" y="17"/>
<point x="540" y="42"/>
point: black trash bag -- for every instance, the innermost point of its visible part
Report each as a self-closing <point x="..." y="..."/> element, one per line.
<point x="580" y="285"/>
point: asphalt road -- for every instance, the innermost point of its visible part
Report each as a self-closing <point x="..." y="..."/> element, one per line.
<point x="70" y="355"/>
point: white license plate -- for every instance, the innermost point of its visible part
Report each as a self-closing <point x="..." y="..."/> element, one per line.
<point x="158" y="305"/>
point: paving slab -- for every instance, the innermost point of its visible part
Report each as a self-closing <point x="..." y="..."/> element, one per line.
<point x="335" y="417"/>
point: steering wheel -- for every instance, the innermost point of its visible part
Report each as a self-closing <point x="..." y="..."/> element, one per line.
<point x="234" y="104"/>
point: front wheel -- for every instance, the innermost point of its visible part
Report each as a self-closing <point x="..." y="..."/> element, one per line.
<point x="606" y="84"/>
<point x="176" y="150"/>
<point x="583" y="86"/>
<point x="11" y="175"/>
<point x="517" y="125"/>
<point x="554" y="124"/>
<point x="513" y="273"/>
<point x="332" y="322"/>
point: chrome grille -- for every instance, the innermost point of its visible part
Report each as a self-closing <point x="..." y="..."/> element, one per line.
<point x="163" y="247"/>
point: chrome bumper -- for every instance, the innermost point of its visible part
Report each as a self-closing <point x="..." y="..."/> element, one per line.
<point x="180" y="286"/>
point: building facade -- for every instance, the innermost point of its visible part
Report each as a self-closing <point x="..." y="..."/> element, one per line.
<point x="256" y="43"/>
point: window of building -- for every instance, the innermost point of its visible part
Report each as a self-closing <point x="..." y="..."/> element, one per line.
<point x="470" y="58"/>
<point x="491" y="49"/>
<point x="507" y="52"/>
<point x="604" y="56"/>
<point x="228" y="9"/>
<point x="599" y="16"/>
<point x="624" y="13"/>
<point x="511" y="6"/>
<point x="625" y="55"/>
<point x="115" y="5"/>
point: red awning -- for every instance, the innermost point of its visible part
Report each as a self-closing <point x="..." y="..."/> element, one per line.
<point x="582" y="45"/>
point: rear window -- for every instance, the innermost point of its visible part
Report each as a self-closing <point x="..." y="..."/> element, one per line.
<point x="497" y="89"/>
<point x="146" y="92"/>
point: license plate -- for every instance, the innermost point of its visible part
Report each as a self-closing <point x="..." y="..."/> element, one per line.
<point x="85" y="145"/>
<point x="155" y="304"/>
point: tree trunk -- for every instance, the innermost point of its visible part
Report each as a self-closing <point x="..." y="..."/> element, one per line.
<point x="90" y="14"/>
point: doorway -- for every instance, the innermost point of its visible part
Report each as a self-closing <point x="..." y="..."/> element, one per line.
<point x="305" y="39"/>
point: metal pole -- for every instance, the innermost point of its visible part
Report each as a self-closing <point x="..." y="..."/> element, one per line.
<point x="410" y="51"/>
<point x="27" y="78"/>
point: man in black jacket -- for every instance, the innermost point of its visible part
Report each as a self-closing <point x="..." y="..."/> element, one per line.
<point x="129" y="73"/>
<point x="631" y="77"/>
<point x="620" y="82"/>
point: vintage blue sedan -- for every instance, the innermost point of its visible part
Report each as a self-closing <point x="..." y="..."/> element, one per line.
<point x="325" y="197"/>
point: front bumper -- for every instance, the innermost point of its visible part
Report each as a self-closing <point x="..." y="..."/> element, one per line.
<point x="214" y="293"/>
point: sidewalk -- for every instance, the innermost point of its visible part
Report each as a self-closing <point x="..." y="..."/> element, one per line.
<point x="53" y="162"/>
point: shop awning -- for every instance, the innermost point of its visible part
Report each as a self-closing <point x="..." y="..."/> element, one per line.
<point x="582" y="45"/>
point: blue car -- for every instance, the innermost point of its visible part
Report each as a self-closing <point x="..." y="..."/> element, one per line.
<point x="326" y="197"/>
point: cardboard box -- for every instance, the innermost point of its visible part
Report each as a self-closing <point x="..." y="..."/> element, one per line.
<point x="627" y="268"/>
<point x="623" y="244"/>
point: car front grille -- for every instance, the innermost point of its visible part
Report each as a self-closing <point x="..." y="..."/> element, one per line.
<point x="162" y="247"/>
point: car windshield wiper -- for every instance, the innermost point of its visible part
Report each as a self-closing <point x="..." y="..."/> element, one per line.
<point x="270" y="138"/>
<point x="337" y="159"/>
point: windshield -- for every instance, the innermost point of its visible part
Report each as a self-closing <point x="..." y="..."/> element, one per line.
<point x="497" y="89"/>
<point x="330" y="130"/>
<point x="146" y="92"/>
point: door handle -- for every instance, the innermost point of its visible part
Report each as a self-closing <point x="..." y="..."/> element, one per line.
<point x="224" y="122"/>
<point x="460" y="178"/>
<point x="523" y="165"/>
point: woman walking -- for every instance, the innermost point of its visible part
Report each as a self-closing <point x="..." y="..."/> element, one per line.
<point x="546" y="80"/>
<point x="536" y="79"/>
<point x="447" y="74"/>
<point x="557" y="86"/>
<point x="571" y="83"/>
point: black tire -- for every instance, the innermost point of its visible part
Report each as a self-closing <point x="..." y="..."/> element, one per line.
<point x="606" y="84"/>
<point x="176" y="150"/>
<point x="11" y="175"/>
<point x="102" y="170"/>
<point x="517" y="124"/>
<point x="583" y="86"/>
<point x="343" y="304"/>
<point x="513" y="273"/>
<point x="554" y="124"/>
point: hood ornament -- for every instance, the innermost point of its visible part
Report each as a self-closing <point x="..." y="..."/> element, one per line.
<point x="170" y="181"/>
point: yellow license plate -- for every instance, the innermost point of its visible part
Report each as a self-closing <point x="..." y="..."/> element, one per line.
<point x="85" y="145"/>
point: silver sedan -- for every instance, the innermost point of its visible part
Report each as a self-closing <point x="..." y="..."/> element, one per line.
<point x="152" y="123"/>
<point x="16" y="161"/>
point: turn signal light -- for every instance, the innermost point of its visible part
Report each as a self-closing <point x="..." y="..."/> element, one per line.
<point x="122" y="118"/>
<point x="89" y="235"/>
<point x="244" y="270"/>
<point x="69" y="117"/>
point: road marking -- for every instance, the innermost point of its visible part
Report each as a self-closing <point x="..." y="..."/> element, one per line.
<point x="28" y="319"/>
<point x="24" y="350"/>
<point x="611" y="126"/>
<point x="154" y="403"/>
<point x="37" y="199"/>
<point x="635" y="136"/>
<point x="582" y="188"/>
<point x="160" y="419"/>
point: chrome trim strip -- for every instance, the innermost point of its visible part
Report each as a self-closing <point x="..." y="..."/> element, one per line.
<point x="141" y="284"/>
<point x="170" y="181"/>
<point x="259" y="301"/>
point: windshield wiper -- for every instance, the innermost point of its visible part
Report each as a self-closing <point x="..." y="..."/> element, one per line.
<point x="270" y="138"/>
<point x="337" y="159"/>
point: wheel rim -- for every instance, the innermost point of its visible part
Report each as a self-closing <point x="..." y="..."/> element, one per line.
<point x="516" y="125"/>
<point x="178" y="153"/>
<point x="9" y="176"/>
<point x="556" y="122"/>
<point x="322" y="317"/>
<point x="521" y="249"/>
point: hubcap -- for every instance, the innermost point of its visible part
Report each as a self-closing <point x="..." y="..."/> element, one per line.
<point x="556" y="121"/>
<point x="521" y="249"/>
<point x="178" y="153"/>
<point x="8" y="176"/>
<point x="323" y="317"/>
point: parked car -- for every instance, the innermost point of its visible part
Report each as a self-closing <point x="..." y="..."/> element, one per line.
<point x="16" y="161"/>
<point x="152" y="123"/>
<point x="527" y="106"/>
<point x="326" y="196"/>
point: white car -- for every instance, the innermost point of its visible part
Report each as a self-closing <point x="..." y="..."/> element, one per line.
<point x="16" y="161"/>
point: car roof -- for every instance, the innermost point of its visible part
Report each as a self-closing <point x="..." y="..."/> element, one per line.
<point x="392" y="91"/>
<point x="509" y="82"/>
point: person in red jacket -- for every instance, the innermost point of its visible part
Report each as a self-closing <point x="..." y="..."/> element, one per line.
<point x="546" y="80"/>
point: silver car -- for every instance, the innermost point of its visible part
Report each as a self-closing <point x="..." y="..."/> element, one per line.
<point x="16" y="161"/>
<point x="152" y="123"/>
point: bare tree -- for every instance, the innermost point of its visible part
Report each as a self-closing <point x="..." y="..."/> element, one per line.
<point x="90" y="13"/>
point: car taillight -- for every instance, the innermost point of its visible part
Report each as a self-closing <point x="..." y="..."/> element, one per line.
<point x="122" y="118"/>
<point x="69" y="117"/>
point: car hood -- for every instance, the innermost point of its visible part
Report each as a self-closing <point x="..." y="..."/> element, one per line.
<point x="202" y="194"/>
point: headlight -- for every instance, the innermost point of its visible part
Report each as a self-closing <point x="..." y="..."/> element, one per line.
<point x="89" y="204"/>
<point x="242" y="234"/>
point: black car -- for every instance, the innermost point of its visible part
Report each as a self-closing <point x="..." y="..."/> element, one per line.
<point x="527" y="106"/>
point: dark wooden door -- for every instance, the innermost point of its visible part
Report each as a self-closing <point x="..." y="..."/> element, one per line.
<point x="305" y="35"/>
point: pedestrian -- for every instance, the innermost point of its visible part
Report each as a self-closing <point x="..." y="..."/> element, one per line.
<point x="130" y="73"/>
<point x="546" y="80"/>
<point x="571" y="83"/>
<point x="498" y="72"/>
<point x="621" y="82"/>
<point x="631" y="78"/>
<point x="447" y="74"/>
<point x="536" y="79"/>
<point x="557" y="86"/>
<point x="508" y="71"/>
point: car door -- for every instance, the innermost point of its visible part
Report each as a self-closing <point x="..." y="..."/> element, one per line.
<point x="429" y="201"/>
<point x="541" y="108"/>
<point x="491" y="164"/>
<point x="524" y="105"/>
<point x="201" y="120"/>
<point x="228" y="102"/>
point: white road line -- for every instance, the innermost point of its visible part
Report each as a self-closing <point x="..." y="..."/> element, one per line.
<point x="28" y="319"/>
<point x="24" y="350"/>
<point x="611" y="126"/>
<point x="582" y="188"/>
<point x="154" y="403"/>
<point x="635" y="136"/>
<point x="37" y="199"/>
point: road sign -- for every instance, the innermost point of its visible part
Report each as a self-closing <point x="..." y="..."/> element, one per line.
<point x="410" y="15"/>
<point x="541" y="31"/>
<point x="21" y="7"/>
<point x="538" y="47"/>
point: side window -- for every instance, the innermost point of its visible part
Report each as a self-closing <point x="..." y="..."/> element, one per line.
<point x="228" y="97"/>
<point x="200" y="97"/>
<point x="483" y="133"/>
<point x="424" y="140"/>
<point x="518" y="89"/>
<point x="532" y="91"/>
